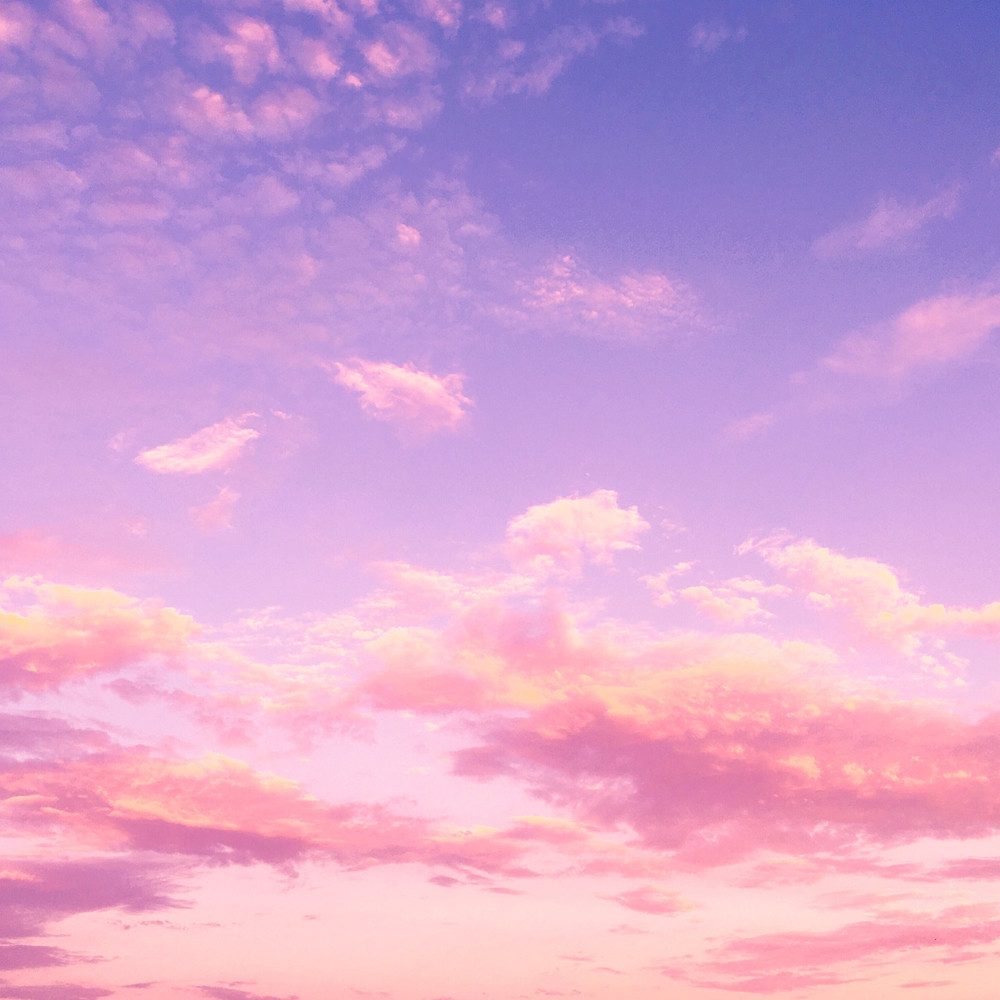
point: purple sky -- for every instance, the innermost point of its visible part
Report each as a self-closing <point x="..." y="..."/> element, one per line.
<point x="499" y="500"/>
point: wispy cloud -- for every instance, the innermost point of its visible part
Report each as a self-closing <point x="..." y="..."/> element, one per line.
<point x="214" y="447"/>
<point x="890" y="225"/>
<point x="566" y="297"/>
<point x="932" y="333"/>
<point x="707" y="36"/>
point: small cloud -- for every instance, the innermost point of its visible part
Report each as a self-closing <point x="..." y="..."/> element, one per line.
<point x="708" y="36"/>
<point x="930" y="333"/>
<point x="748" y="427"/>
<point x="569" y="298"/>
<point x="660" y="583"/>
<point x="650" y="899"/>
<point x="406" y="396"/>
<point x="216" y="515"/>
<point x="213" y="447"/>
<point x="555" y="537"/>
<point x="889" y="226"/>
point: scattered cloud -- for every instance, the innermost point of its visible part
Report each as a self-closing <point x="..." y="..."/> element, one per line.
<point x="932" y="333"/>
<point x="404" y="395"/>
<point x="517" y="67"/>
<point x="651" y="899"/>
<point x="799" y="960"/>
<point x="871" y="594"/>
<point x="214" y="447"/>
<point x="216" y="514"/>
<point x="889" y="226"/>
<point x="558" y="536"/>
<point x="568" y="298"/>
<point x="54" y="633"/>
<point x="707" y="36"/>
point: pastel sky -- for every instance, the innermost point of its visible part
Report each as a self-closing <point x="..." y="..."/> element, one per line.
<point x="499" y="500"/>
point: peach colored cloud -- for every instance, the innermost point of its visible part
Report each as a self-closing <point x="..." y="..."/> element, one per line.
<point x="734" y="602"/>
<point x="558" y="536"/>
<point x="52" y="633"/>
<point x="716" y="749"/>
<point x="406" y="396"/>
<point x="222" y="811"/>
<point x="870" y="593"/>
<point x="933" y="332"/>
<point x="889" y="225"/>
<point x="213" y="447"/>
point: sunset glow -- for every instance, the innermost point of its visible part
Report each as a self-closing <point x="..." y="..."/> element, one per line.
<point x="500" y="500"/>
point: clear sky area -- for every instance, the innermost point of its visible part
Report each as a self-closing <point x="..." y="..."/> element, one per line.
<point x="499" y="499"/>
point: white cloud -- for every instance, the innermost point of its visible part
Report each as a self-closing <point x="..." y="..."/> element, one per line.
<point x="404" y="395"/>
<point x="556" y="536"/>
<point x="212" y="447"/>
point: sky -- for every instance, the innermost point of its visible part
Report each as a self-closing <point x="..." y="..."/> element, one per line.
<point x="499" y="500"/>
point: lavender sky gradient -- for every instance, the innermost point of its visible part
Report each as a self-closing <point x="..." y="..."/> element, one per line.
<point x="499" y="500"/>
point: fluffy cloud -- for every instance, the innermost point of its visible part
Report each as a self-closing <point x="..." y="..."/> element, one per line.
<point x="213" y="447"/>
<point x="558" y="536"/>
<point x="52" y="633"/>
<point x="871" y="594"/>
<point x="406" y="396"/>
<point x="733" y="603"/>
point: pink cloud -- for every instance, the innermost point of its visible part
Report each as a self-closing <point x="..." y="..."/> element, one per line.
<point x="795" y="960"/>
<point x="217" y="514"/>
<point x="933" y="332"/>
<point x="406" y="396"/>
<point x="250" y="48"/>
<point x="558" y="536"/>
<point x="447" y="13"/>
<point x="401" y="51"/>
<point x="651" y="899"/>
<point x="871" y="594"/>
<point x="52" y="633"/>
<point x="722" y="748"/>
<point x="17" y="23"/>
<point x="30" y="552"/>
<point x="213" y="447"/>
<point x="889" y="225"/>
<point x="206" y="112"/>
<point x="734" y="602"/>
<point x="634" y="307"/>
<point x="220" y="810"/>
